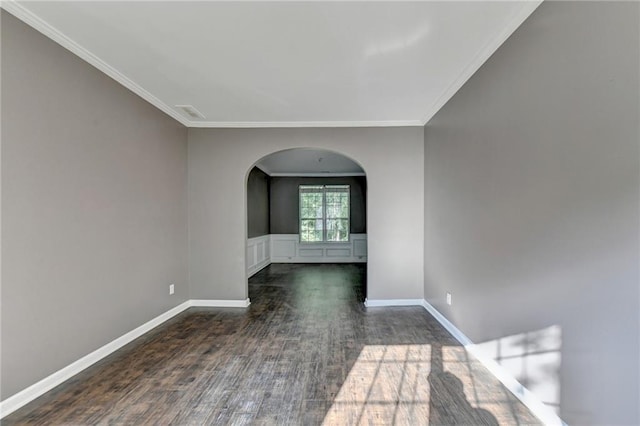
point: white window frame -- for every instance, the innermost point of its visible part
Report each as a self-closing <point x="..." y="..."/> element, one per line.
<point x="324" y="214"/>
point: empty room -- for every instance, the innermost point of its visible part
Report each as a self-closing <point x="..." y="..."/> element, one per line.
<point x="320" y="213"/>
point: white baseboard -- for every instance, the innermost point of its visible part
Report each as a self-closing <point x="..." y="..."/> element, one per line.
<point x="27" y="395"/>
<point x="20" y="399"/>
<point x="221" y="303"/>
<point x="372" y="303"/>
<point x="455" y="332"/>
<point x="532" y="402"/>
<point x="259" y="267"/>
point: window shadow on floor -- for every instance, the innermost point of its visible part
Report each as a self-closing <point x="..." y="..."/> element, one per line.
<point x="306" y="351"/>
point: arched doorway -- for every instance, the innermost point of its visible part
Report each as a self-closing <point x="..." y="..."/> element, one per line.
<point x="305" y="205"/>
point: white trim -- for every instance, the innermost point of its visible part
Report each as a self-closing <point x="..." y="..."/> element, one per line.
<point x="258" y="254"/>
<point x="287" y="248"/>
<point x="318" y="259"/>
<point x="259" y="267"/>
<point x="27" y="395"/>
<point x="392" y="302"/>
<point x="282" y="124"/>
<point x="20" y="399"/>
<point x="31" y="19"/>
<point x="263" y="169"/>
<point x="481" y="57"/>
<point x="221" y="303"/>
<point x="452" y="329"/>
<point x="327" y="174"/>
<point x="32" y="392"/>
<point x="532" y="402"/>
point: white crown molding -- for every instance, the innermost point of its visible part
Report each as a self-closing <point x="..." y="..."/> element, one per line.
<point x="263" y="169"/>
<point x="482" y="56"/>
<point x="29" y="18"/>
<point x="330" y="174"/>
<point x="532" y="402"/>
<point x="307" y="124"/>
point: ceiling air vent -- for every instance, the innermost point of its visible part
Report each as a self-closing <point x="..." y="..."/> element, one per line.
<point x="190" y="111"/>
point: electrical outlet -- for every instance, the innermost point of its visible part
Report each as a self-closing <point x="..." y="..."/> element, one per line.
<point x="448" y="298"/>
<point x="172" y="289"/>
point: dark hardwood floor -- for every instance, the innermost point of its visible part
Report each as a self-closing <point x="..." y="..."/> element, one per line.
<point x="305" y="352"/>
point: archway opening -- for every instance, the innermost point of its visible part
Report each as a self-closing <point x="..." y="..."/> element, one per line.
<point x="306" y="206"/>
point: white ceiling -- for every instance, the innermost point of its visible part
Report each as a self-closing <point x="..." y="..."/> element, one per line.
<point x="285" y="64"/>
<point x="309" y="162"/>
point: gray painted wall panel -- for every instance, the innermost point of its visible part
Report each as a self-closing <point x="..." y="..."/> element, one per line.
<point x="94" y="208"/>
<point x="257" y="203"/>
<point x="285" y="201"/>
<point x="532" y="202"/>
<point x="393" y="159"/>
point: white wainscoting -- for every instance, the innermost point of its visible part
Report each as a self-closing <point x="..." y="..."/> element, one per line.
<point x="287" y="248"/>
<point x="258" y="253"/>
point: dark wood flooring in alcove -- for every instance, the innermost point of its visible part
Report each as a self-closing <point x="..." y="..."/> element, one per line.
<point x="305" y="352"/>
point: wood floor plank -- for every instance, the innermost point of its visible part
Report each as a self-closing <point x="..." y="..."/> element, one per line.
<point x="306" y="352"/>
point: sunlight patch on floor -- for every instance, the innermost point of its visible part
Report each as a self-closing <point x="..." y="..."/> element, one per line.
<point x="416" y="384"/>
<point x="386" y="385"/>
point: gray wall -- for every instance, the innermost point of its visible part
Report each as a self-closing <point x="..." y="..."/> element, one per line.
<point x="94" y="214"/>
<point x="285" y="202"/>
<point x="532" y="201"/>
<point x="257" y="203"/>
<point x="393" y="159"/>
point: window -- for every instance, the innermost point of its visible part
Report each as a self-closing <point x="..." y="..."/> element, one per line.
<point x="324" y="213"/>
